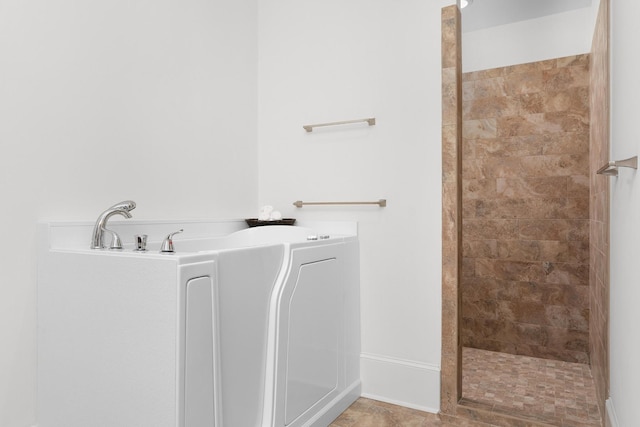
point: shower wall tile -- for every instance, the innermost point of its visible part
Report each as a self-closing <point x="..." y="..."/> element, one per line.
<point x="449" y="102"/>
<point x="449" y="75"/>
<point x="531" y="103"/>
<point x="531" y="166"/>
<point x="568" y="143"/>
<point x="509" y="270"/>
<point x="529" y="145"/>
<point x="566" y="77"/>
<point x="572" y="99"/>
<point x="563" y="208"/>
<point x="483" y="128"/>
<point x="450" y="42"/>
<point x="491" y="107"/>
<point x="528" y="250"/>
<point x="452" y="266"/>
<point x="538" y="187"/>
<point x="567" y="274"/>
<point x="483" y="75"/>
<point x="517" y="83"/>
<point x="450" y="133"/>
<point x="490" y="289"/>
<point x="531" y="66"/>
<point x="569" y="121"/>
<point x="482" y="229"/>
<point x="544" y="229"/>
<point x="526" y="209"/>
<point x="529" y="124"/>
<point x="480" y="188"/>
<point x="579" y="230"/>
<point x="574" y="340"/>
<point x="578" y="252"/>
<point x="578" y="186"/>
<point x="553" y="229"/>
<point x="449" y="212"/>
<point x="570" y="61"/>
<point x="486" y="88"/>
<point x="509" y="147"/>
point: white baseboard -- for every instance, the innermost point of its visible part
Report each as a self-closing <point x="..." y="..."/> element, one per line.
<point x="401" y="382"/>
<point x="611" y="413"/>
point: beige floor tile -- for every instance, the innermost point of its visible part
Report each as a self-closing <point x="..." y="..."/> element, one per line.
<point x="558" y="393"/>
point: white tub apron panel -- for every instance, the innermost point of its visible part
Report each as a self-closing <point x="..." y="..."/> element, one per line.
<point x="313" y="337"/>
<point x="249" y="328"/>
<point x="199" y="368"/>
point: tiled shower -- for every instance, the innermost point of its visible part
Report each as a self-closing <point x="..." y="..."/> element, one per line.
<point x="526" y="215"/>
<point x="525" y="209"/>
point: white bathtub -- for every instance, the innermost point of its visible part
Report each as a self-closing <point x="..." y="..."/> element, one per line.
<point x="258" y="327"/>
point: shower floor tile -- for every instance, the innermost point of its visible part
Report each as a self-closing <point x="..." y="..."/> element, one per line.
<point x="560" y="393"/>
<point x="372" y="413"/>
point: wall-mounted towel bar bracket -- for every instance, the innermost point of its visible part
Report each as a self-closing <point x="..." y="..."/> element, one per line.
<point x="382" y="203"/>
<point x="611" y="168"/>
<point x="371" y="121"/>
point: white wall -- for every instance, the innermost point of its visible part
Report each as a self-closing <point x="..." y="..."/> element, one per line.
<point x="625" y="215"/>
<point x="553" y="36"/>
<point x="335" y="60"/>
<point x="103" y="101"/>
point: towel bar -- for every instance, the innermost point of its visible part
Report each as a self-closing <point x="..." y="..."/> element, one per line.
<point x="371" y="121"/>
<point x="382" y="203"/>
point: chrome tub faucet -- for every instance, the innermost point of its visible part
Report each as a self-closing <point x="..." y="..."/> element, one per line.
<point x="122" y="208"/>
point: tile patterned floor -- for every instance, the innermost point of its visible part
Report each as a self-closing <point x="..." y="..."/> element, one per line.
<point x="561" y="393"/>
<point x="371" y="413"/>
<point x="553" y="392"/>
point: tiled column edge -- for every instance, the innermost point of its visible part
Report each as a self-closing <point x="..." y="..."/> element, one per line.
<point x="451" y="373"/>
<point x="599" y="208"/>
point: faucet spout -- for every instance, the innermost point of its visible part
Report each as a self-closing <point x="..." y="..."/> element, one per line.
<point x="121" y="208"/>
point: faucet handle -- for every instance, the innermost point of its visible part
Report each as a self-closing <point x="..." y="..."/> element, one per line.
<point x="140" y="242"/>
<point x="167" y="245"/>
<point x="116" y="243"/>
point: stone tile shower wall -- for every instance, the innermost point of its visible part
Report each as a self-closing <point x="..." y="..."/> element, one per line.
<point x="525" y="193"/>
<point x="451" y="384"/>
